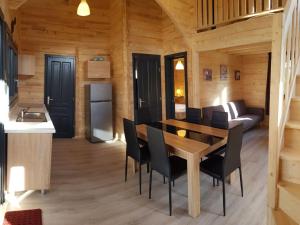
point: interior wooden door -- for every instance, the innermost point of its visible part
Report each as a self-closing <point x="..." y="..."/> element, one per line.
<point x="147" y="87"/>
<point x="59" y="93"/>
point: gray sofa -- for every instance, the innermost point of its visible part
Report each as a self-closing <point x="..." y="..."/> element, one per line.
<point x="238" y="112"/>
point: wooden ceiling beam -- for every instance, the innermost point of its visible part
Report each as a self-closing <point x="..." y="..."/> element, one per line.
<point x="15" y="4"/>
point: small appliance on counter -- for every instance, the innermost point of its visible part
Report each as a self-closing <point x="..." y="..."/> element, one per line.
<point x="99" y="125"/>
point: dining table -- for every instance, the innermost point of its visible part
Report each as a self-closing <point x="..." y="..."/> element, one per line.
<point x="191" y="142"/>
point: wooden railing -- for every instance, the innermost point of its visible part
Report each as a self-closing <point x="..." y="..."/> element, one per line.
<point x="285" y="67"/>
<point x="213" y="13"/>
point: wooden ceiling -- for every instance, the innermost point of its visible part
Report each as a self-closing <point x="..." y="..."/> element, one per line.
<point x="248" y="49"/>
<point x="15" y="4"/>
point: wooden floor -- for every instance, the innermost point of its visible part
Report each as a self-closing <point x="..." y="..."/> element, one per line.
<point x="88" y="188"/>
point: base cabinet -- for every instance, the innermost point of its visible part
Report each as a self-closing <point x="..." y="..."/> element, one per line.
<point x="28" y="162"/>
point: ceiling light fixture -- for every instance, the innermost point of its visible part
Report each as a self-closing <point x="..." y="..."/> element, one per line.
<point x="179" y="65"/>
<point x="83" y="9"/>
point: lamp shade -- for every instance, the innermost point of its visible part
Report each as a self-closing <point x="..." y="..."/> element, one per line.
<point x="83" y="9"/>
<point x="179" y="65"/>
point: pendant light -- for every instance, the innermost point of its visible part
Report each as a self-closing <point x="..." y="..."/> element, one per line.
<point x="179" y="65"/>
<point x="83" y="9"/>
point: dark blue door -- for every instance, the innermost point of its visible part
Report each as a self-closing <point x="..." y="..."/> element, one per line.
<point x="59" y="93"/>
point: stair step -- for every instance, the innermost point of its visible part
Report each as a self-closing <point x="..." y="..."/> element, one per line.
<point x="298" y="85"/>
<point x="296" y="98"/>
<point x="291" y="138"/>
<point x="294" y="124"/>
<point x="290" y="165"/>
<point x="295" y="109"/>
<point x="282" y="219"/>
<point x="289" y="199"/>
<point x="290" y="154"/>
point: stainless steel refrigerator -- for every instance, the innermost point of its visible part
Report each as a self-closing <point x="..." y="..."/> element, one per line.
<point x="99" y="125"/>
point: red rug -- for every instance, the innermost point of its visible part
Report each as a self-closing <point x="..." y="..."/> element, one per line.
<point x="23" y="217"/>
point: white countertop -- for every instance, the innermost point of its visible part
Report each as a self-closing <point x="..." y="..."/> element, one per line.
<point x="11" y="126"/>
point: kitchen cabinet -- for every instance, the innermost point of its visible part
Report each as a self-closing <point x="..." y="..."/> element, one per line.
<point x="29" y="150"/>
<point x="26" y="65"/>
<point x="98" y="69"/>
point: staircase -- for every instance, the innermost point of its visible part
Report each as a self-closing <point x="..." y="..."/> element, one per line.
<point x="288" y="211"/>
<point x="284" y="158"/>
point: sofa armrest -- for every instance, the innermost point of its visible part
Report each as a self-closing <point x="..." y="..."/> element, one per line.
<point x="256" y="111"/>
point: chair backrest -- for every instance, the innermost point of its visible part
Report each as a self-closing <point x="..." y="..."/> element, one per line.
<point x="143" y="115"/>
<point x="232" y="159"/>
<point x="158" y="152"/>
<point x="219" y="120"/>
<point x="193" y="115"/>
<point x="132" y="148"/>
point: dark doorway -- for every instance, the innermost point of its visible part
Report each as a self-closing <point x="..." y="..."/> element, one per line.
<point x="59" y="93"/>
<point x="176" y="86"/>
<point x="147" y="87"/>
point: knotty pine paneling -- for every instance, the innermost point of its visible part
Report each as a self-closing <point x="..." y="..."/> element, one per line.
<point x="218" y="91"/>
<point x="144" y="24"/>
<point x="52" y="27"/>
<point x="118" y="42"/>
<point x="254" y="79"/>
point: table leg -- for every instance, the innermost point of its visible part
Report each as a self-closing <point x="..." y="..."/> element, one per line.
<point x="193" y="177"/>
<point x="232" y="177"/>
<point x="133" y="164"/>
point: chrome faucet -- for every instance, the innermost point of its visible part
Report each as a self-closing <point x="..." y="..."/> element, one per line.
<point x="23" y="111"/>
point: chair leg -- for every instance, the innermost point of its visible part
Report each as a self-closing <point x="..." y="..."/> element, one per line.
<point x="218" y="182"/>
<point x="147" y="167"/>
<point x="214" y="184"/>
<point x="241" y="181"/>
<point x="224" y="200"/>
<point x="164" y="179"/>
<point x="150" y="183"/>
<point x="140" y="179"/>
<point x="170" y="197"/>
<point x="126" y="165"/>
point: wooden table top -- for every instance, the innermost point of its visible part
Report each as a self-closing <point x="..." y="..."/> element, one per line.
<point x="183" y="146"/>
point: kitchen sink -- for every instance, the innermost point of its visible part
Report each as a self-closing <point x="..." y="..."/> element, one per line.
<point x="32" y="117"/>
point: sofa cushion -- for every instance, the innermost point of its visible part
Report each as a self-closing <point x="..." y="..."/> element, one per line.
<point x="248" y="120"/>
<point x="237" y="108"/>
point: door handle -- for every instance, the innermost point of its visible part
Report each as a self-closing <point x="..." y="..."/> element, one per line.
<point x="48" y="100"/>
<point x="140" y="102"/>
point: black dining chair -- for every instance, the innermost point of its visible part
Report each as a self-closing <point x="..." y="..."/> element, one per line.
<point x="193" y="115"/>
<point x="219" y="120"/>
<point x="162" y="162"/>
<point x="220" y="167"/>
<point x="134" y="149"/>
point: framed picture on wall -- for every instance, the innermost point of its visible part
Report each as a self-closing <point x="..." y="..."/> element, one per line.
<point x="237" y="75"/>
<point x="207" y="74"/>
<point x="223" y="72"/>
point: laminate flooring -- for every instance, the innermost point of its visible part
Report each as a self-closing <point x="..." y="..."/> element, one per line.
<point x="88" y="188"/>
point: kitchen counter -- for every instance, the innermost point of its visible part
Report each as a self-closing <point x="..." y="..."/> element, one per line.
<point x="29" y="150"/>
<point x="12" y="126"/>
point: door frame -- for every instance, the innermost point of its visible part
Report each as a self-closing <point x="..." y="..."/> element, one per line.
<point x="74" y="85"/>
<point x="169" y="83"/>
<point x="135" y="100"/>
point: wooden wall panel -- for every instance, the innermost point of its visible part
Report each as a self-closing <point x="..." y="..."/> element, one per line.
<point x="218" y="91"/>
<point x="49" y="29"/>
<point x="144" y="21"/>
<point x="118" y="43"/>
<point x="254" y="79"/>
